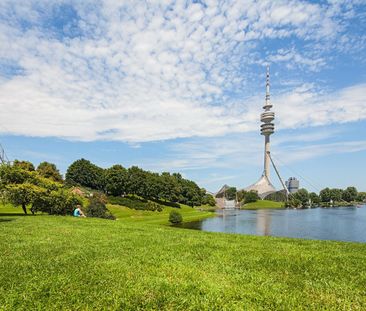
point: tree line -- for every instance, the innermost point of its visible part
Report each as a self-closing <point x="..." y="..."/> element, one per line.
<point x="119" y="181"/>
<point x="327" y="196"/>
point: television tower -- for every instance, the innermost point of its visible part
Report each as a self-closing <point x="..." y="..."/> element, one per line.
<point x="267" y="127"/>
<point x="264" y="186"/>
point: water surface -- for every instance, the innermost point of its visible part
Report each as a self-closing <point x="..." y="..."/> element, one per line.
<point x="342" y="223"/>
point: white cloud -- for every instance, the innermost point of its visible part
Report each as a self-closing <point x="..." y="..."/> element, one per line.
<point x="138" y="71"/>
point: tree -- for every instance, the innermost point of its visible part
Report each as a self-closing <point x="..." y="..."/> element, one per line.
<point x="20" y="194"/>
<point x="84" y="173"/>
<point x="336" y="194"/>
<point x="315" y="199"/>
<point x="325" y="195"/>
<point x="230" y="193"/>
<point x="302" y="195"/>
<point x="49" y="170"/>
<point x="361" y="196"/>
<point x="136" y="181"/>
<point x="251" y="196"/>
<point x="13" y="175"/>
<point x="208" y="199"/>
<point x="349" y="194"/>
<point x="24" y="165"/>
<point x="116" y="180"/>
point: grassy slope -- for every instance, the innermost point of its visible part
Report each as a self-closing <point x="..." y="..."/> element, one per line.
<point x="263" y="204"/>
<point x="131" y="215"/>
<point x="53" y="262"/>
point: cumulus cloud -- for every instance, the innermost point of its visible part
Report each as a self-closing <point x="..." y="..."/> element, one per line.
<point x="142" y="71"/>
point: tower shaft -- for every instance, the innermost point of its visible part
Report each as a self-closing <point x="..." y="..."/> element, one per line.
<point x="266" y="171"/>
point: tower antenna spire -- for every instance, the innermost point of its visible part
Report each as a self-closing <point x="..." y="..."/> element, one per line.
<point x="267" y="87"/>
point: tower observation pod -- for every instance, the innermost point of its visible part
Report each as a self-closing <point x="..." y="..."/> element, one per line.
<point x="264" y="186"/>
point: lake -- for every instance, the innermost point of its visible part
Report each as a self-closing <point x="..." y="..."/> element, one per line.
<point x="341" y="223"/>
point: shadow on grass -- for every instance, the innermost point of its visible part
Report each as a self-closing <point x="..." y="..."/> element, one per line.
<point x="6" y="219"/>
<point x="14" y="214"/>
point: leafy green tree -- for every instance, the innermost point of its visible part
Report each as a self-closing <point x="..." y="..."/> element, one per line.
<point x="20" y="194"/>
<point x="325" y="195"/>
<point x="84" y="173"/>
<point x="294" y="202"/>
<point x="315" y="199"/>
<point x="361" y="197"/>
<point x="136" y="181"/>
<point x="191" y="193"/>
<point x="230" y="193"/>
<point x="24" y="165"/>
<point x="10" y="174"/>
<point x="208" y="199"/>
<point x="349" y="194"/>
<point x="116" y="180"/>
<point x="251" y="196"/>
<point x="241" y="195"/>
<point x="153" y="185"/>
<point x="49" y="170"/>
<point x="336" y="194"/>
<point x="302" y="195"/>
<point x="170" y="188"/>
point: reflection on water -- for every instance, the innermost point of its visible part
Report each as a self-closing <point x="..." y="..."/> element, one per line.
<point x="343" y="224"/>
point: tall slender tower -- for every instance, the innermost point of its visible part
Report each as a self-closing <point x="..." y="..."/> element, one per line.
<point x="264" y="186"/>
<point x="267" y="127"/>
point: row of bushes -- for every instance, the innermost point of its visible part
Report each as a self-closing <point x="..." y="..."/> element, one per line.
<point x="136" y="203"/>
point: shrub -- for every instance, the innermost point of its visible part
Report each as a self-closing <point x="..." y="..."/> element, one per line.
<point x="175" y="217"/>
<point x="60" y="202"/>
<point x="97" y="208"/>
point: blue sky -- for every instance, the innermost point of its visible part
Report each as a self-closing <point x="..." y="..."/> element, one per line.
<point x="179" y="86"/>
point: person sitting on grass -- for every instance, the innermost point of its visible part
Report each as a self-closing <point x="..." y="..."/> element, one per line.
<point x="78" y="212"/>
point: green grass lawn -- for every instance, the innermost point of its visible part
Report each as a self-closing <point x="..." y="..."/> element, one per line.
<point x="263" y="204"/>
<point x="132" y="215"/>
<point x="55" y="262"/>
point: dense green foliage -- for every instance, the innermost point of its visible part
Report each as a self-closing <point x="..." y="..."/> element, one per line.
<point x="175" y="217"/>
<point x="119" y="181"/>
<point x="247" y="196"/>
<point x="93" y="264"/>
<point x="49" y="170"/>
<point x="22" y="187"/>
<point x="326" y="197"/>
<point x="278" y="196"/>
<point x="83" y="172"/>
<point x="116" y="180"/>
<point x="24" y="165"/>
<point x="230" y="193"/>
<point x="97" y="208"/>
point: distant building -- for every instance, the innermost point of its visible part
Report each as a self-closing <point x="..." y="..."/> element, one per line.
<point x="292" y="184"/>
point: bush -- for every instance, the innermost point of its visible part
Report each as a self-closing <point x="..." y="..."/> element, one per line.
<point x="175" y="217"/>
<point x="60" y="202"/>
<point x="251" y="196"/>
<point x="97" y="208"/>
